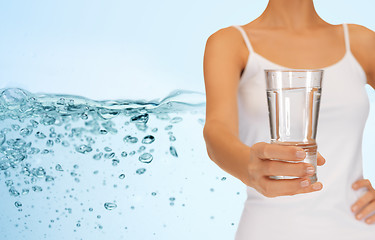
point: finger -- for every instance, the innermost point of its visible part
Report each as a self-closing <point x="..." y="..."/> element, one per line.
<point x="371" y="219"/>
<point x="362" y="183"/>
<point x="320" y="160"/>
<point x="363" y="201"/>
<point x="265" y="150"/>
<point x="369" y="208"/>
<point x="279" y="168"/>
<point x="274" y="188"/>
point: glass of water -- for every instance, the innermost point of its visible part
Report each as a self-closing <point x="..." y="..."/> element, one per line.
<point x="293" y="98"/>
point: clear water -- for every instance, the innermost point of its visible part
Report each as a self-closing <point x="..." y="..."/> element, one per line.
<point x="74" y="168"/>
<point x="294" y="114"/>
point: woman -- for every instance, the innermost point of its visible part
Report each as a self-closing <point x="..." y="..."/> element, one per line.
<point x="290" y="34"/>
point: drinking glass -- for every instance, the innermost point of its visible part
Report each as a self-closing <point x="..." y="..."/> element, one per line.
<point x="293" y="98"/>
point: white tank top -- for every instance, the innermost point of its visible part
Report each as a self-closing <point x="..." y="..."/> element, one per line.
<point x="344" y="108"/>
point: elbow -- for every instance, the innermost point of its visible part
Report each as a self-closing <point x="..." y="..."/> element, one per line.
<point x="206" y="139"/>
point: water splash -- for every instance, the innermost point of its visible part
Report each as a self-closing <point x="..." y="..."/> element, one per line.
<point x="37" y="128"/>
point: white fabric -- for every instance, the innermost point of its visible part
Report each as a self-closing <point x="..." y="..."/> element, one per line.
<point x="344" y="109"/>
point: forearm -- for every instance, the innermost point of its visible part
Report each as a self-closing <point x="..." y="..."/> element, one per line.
<point x="226" y="150"/>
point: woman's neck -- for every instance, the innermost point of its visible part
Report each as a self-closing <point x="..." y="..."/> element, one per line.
<point x="291" y="15"/>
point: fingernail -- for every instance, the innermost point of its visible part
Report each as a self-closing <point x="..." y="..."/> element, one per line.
<point x="359" y="216"/>
<point x="354" y="186"/>
<point x="316" y="186"/>
<point x="354" y="208"/>
<point x="301" y="154"/>
<point x="310" y="170"/>
<point x="305" y="183"/>
<point x="368" y="220"/>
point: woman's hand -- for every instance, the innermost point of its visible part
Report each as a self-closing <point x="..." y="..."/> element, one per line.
<point x="366" y="204"/>
<point x="261" y="166"/>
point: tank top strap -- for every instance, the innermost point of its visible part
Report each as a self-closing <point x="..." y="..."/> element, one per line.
<point x="346" y="34"/>
<point x="245" y="37"/>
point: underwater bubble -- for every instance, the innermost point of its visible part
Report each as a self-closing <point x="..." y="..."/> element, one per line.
<point x="172" y="138"/>
<point x="176" y="120"/>
<point x="91" y="209"/>
<point x="103" y="131"/>
<point x="110" y="206"/>
<point x="58" y="168"/>
<point x="25" y="191"/>
<point x="223" y="178"/>
<point x="172" y="198"/>
<point x="66" y="144"/>
<point x="8" y="183"/>
<point x="25" y="132"/>
<point x="109" y="126"/>
<point x="154" y="130"/>
<point x="115" y="162"/>
<point x="15" y="127"/>
<point x="122" y="176"/>
<point x="162" y="116"/>
<point x="18" y="204"/>
<point x="169" y="127"/>
<point x="37" y="188"/>
<point x="141" y="148"/>
<point x="13" y="98"/>
<point x="97" y="156"/>
<point x="173" y="151"/>
<point x="107" y="149"/>
<point x="109" y="155"/>
<point x="141" y="126"/>
<point x="13" y="192"/>
<point x="75" y="166"/>
<point x="2" y="138"/>
<point x="153" y="193"/>
<point x="130" y="139"/>
<point x="49" y="178"/>
<point x="45" y="151"/>
<point x="140" y="171"/>
<point x="47" y="120"/>
<point x="145" y="158"/>
<point x="143" y="118"/>
<point x="124" y="154"/>
<point x="34" y="150"/>
<point x="4" y="165"/>
<point x="49" y="143"/>
<point x="34" y="123"/>
<point x="38" y="172"/>
<point x="7" y="174"/>
<point x="107" y="113"/>
<point x="40" y="135"/>
<point x="84" y="116"/>
<point x="83" y="148"/>
<point x="148" y="139"/>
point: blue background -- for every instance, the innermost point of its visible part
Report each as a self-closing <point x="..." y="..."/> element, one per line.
<point x="136" y="49"/>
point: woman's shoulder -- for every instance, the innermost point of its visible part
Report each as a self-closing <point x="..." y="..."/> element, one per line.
<point x="362" y="34"/>
<point x="225" y="35"/>
<point x="229" y="40"/>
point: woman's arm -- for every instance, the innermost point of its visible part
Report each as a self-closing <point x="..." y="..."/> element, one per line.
<point x="223" y="63"/>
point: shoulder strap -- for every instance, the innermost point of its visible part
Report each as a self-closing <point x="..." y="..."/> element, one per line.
<point x="245" y="37"/>
<point x="346" y="34"/>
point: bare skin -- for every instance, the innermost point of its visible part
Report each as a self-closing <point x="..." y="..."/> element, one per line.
<point x="291" y="34"/>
